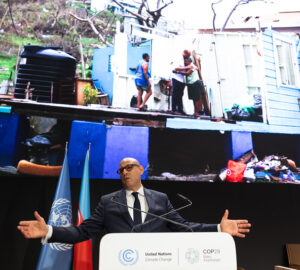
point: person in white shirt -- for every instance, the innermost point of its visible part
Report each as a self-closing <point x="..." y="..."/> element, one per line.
<point x="178" y="84"/>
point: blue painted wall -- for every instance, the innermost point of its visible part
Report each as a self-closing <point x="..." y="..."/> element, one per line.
<point x="135" y="54"/>
<point x="83" y="133"/>
<point x="13" y="131"/>
<point x="101" y="70"/>
<point x="282" y="101"/>
<point x="237" y="144"/>
<point x="125" y="141"/>
<point x="108" y="147"/>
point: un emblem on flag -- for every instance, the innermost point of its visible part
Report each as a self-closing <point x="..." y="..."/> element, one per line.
<point x="61" y="215"/>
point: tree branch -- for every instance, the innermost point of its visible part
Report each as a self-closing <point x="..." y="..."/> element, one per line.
<point x="90" y="22"/>
<point x="11" y="16"/>
<point x="129" y="11"/>
<point x="55" y="17"/>
<point x="213" y="9"/>
<point x="239" y="3"/>
<point x="150" y="21"/>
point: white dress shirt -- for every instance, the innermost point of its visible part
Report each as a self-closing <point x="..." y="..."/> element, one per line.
<point x="178" y="62"/>
<point x="130" y="202"/>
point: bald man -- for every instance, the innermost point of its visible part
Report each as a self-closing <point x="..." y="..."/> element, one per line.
<point x="114" y="215"/>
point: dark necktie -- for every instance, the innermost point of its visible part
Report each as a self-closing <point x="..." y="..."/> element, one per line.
<point x="137" y="215"/>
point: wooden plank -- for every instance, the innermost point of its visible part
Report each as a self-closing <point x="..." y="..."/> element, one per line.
<point x="270" y="66"/>
<point x="270" y="73"/>
<point x="268" y="46"/>
<point x="286" y="130"/>
<point x="284" y="113"/>
<point x="268" y="52"/>
<point x="283" y="91"/>
<point x="284" y="121"/>
<point x="271" y="81"/>
<point x="268" y="32"/>
<point x="282" y="98"/>
<point x="276" y="104"/>
<point x="178" y="123"/>
<point x="267" y="38"/>
<point x="271" y="87"/>
<point x="76" y="112"/>
<point x="269" y="59"/>
<point x="289" y="88"/>
<point x="138" y="122"/>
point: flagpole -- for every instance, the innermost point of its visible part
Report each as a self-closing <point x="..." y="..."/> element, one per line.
<point x="83" y="259"/>
<point x="89" y="150"/>
<point x="66" y="147"/>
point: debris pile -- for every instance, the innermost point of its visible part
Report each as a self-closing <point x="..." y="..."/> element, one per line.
<point x="272" y="168"/>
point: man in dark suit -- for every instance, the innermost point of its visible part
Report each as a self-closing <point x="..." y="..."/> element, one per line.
<point x="113" y="215"/>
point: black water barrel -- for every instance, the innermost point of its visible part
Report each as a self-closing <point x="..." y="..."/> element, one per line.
<point x="49" y="72"/>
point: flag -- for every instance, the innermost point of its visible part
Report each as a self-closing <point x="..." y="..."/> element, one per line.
<point x="82" y="259"/>
<point x="58" y="256"/>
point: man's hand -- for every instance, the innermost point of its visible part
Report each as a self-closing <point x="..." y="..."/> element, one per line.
<point x="34" y="228"/>
<point x="234" y="227"/>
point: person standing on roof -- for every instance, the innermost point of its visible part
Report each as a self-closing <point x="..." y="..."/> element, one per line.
<point x="178" y="83"/>
<point x="142" y="81"/>
<point x="194" y="84"/>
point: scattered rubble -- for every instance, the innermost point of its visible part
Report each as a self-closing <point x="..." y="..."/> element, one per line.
<point x="272" y="168"/>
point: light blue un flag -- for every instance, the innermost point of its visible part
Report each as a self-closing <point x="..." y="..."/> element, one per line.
<point x="58" y="256"/>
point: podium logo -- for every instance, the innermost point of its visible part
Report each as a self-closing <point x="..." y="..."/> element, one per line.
<point x="211" y="251"/>
<point x="192" y="255"/>
<point x="128" y="256"/>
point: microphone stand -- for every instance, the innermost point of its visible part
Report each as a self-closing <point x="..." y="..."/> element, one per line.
<point x="165" y="214"/>
<point x="157" y="216"/>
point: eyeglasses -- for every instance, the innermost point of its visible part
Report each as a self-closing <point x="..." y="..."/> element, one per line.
<point x="128" y="168"/>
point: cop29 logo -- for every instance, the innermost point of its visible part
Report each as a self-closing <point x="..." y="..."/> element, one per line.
<point x="192" y="255"/>
<point x="128" y="256"/>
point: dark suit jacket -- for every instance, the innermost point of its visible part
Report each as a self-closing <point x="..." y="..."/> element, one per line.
<point x="116" y="219"/>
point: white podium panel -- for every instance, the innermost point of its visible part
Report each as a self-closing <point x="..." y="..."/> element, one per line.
<point x="168" y="251"/>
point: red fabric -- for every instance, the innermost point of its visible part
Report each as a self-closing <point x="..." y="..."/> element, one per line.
<point x="82" y="259"/>
<point x="235" y="171"/>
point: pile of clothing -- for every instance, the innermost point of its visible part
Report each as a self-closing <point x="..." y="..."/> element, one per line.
<point x="273" y="168"/>
<point x="244" y="112"/>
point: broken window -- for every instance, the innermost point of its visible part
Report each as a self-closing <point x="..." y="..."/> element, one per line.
<point x="252" y="68"/>
<point x="285" y="62"/>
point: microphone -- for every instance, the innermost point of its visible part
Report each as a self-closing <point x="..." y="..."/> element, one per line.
<point x="157" y="216"/>
<point x="165" y="214"/>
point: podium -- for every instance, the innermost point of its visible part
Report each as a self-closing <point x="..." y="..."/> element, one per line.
<point x="168" y="251"/>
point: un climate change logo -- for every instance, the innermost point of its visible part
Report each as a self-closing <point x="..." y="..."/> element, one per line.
<point x="128" y="256"/>
<point x="61" y="215"/>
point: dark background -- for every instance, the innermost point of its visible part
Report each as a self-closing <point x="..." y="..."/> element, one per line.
<point x="273" y="210"/>
<point x="186" y="152"/>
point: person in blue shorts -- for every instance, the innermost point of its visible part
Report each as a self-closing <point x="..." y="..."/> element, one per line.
<point x="142" y="81"/>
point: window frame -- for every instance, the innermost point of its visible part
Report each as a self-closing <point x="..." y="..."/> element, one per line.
<point x="293" y="52"/>
<point x="254" y="65"/>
